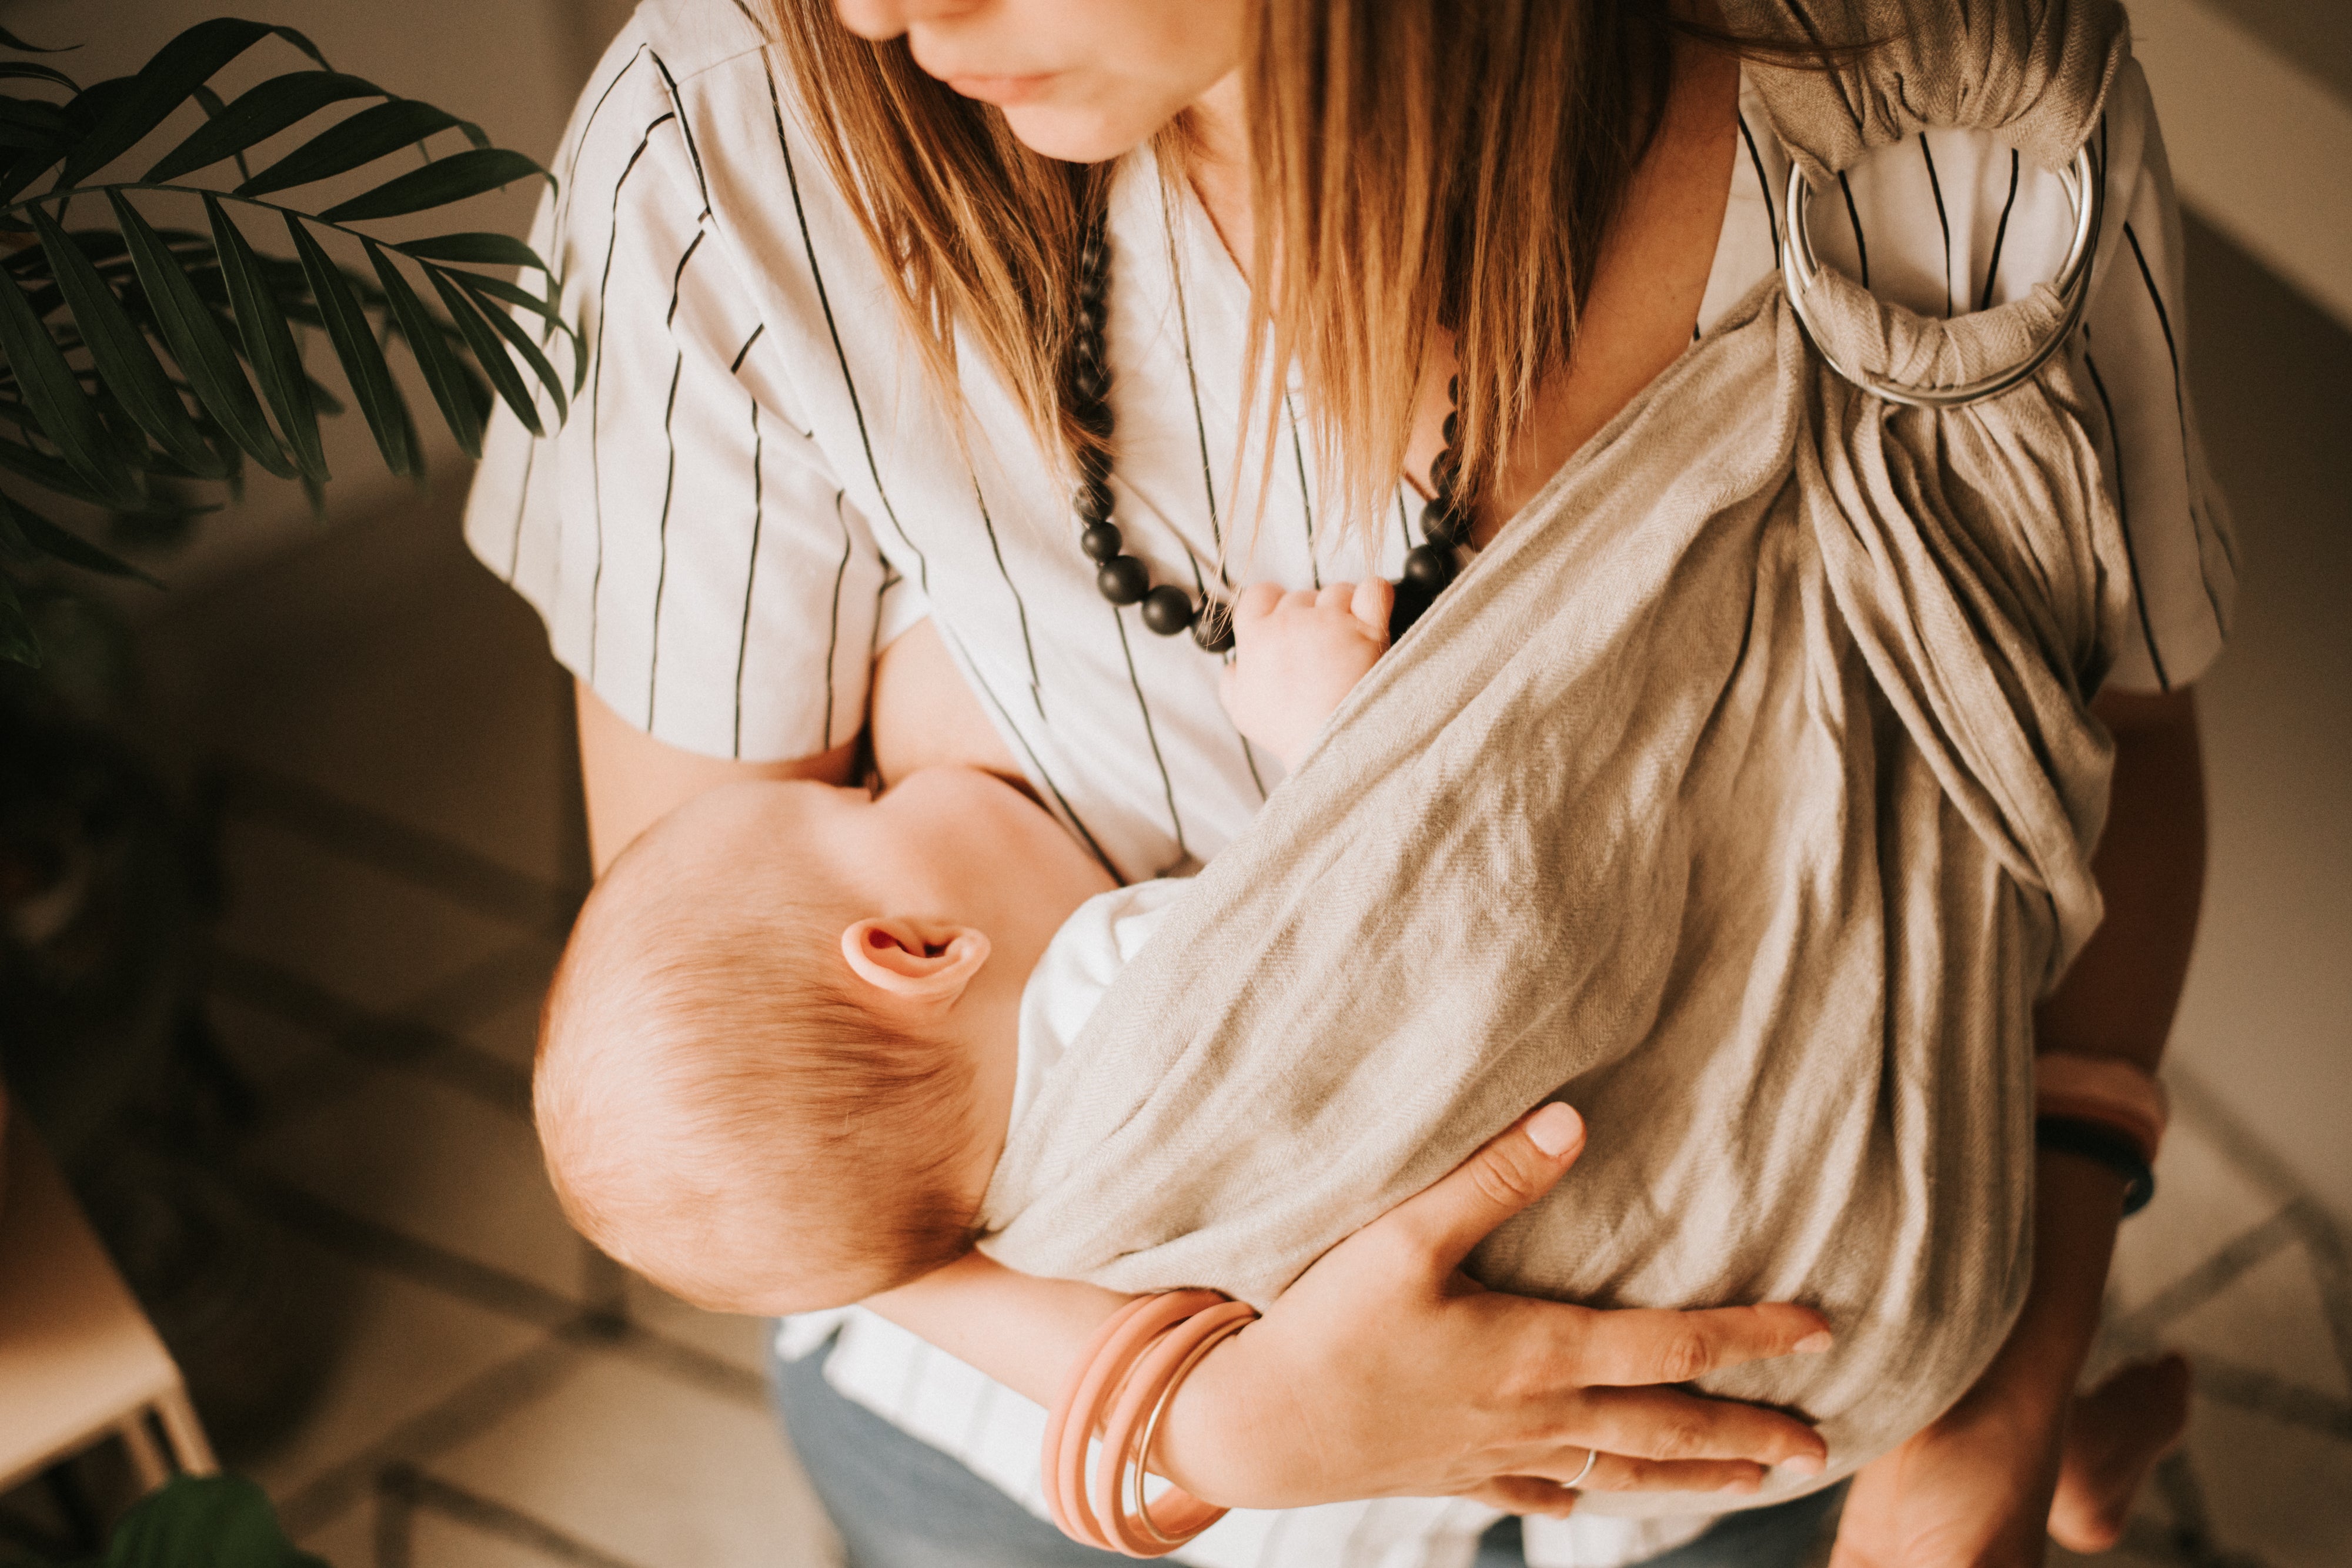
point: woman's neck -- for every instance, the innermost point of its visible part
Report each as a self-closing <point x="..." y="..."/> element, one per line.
<point x="1218" y="165"/>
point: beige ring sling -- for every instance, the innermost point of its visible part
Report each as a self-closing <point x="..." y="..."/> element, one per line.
<point x="1741" y="793"/>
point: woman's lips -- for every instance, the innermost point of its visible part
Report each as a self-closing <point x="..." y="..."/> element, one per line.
<point x="1002" y="92"/>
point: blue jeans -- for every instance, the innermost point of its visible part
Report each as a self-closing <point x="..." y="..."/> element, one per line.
<point x="900" y="1503"/>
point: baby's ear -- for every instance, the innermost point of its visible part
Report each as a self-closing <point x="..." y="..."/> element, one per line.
<point x="922" y="966"/>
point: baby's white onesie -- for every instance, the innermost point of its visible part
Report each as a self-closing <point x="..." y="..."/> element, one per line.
<point x="1101" y="938"/>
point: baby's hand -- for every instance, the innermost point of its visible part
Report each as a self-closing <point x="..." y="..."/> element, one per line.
<point x="1297" y="654"/>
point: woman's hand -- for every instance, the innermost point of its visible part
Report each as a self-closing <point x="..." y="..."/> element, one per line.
<point x="1386" y="1370"/>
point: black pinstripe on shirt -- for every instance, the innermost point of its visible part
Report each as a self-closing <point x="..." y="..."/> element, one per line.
<point x="661" y="568"/>
<point x="1763" y="184"/>
<point x="2000" y="234"/>
<point x="563" y="217"/>
<point x="2123" y="517"/>
<point x="833" y="329"/>
<point x="752" y="576"/>
<point x="596" y="392"/>
<point x="1943" y="219"/>
<point x="1853" y="216"/>
<point x="2180" y="412"/>
<point x="1036" y="692"/>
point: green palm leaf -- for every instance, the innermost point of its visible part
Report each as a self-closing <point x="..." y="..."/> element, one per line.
<point x="355" y="347"/>
<point x="442" y="373"/>
<point x="197" y="340"/>
<point x="119" y="350"/>
<point x="133" y="349"/>
<point x="69" y="415"/>
<point x="268" y="343"/>
<point x="370" y="134"/>
<point x="166" y="82"/>
<point x="258" y="115"/>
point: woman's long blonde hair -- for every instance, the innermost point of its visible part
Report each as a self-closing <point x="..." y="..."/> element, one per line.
<point x="1416" y="165"/>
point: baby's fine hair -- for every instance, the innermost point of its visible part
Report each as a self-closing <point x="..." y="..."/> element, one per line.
<point x="716" y="1108"/>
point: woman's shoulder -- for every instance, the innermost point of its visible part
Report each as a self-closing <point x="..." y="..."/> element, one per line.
<point x="694" y="84"/>
<point x="691" y="37"/>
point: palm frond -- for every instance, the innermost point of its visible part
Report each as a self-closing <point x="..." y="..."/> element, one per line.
<point x="137" y="357"/>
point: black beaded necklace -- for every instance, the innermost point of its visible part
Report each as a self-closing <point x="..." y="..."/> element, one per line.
<point x="1125" y="579"/>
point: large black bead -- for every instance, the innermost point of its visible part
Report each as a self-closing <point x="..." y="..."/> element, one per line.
<point x="1094" y="419"/>
<point x="1428" y="569"/>
<point x="1123" y="580"/>
<point x="1441" y="524"/>
<point x="1101" y="542"/>
<point x="1406" y="608"/>
<point x="1213" y="628"/>
<point x="1094" y="286"/>
<point x="1168" y="610"/>
<point x="1093" y="501"/>
<point x="1091" y="382"/>
<point x="1452" y="428"/>
<point x="1090" y="322"/>
<point x="1446" y="473"/>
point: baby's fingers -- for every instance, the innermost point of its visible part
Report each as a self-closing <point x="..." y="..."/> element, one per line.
<point x="1255" y="603"/>
<point x="1374" y="599"/>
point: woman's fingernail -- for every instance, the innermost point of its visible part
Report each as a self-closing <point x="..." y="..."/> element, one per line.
<point x="1814" y="1342"/>
<point x="1805" y="1464"/>
<point x="1554" y="1129"/>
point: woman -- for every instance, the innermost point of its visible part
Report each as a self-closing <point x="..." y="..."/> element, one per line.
<point x="765" y="487"/>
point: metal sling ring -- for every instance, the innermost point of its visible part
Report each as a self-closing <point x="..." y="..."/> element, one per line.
<point x="1798" y="267"/>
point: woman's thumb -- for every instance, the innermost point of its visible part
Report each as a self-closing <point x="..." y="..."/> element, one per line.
<point x="1516" y="1167"/>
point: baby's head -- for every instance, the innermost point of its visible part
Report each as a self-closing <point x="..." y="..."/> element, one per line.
<point x="749" y="1088"/>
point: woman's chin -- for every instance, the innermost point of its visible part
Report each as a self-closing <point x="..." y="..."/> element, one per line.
<point x="1080" y="135"/>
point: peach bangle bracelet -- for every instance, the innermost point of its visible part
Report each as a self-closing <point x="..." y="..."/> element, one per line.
<point x="1121" y="1385"/>
<point x="2107" y="1090"/>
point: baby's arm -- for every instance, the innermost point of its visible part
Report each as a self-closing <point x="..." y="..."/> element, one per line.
<point x="1297" y="654"/>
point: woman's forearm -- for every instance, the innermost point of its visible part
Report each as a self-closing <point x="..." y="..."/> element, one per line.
<point x="2117" y="1001"/>
<point x="1023" y="1330"/>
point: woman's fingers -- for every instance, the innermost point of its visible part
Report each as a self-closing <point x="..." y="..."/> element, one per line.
<point x="1545" y="1490"/>
<point x="1616" y="1472"/>
<point x="1446" y="1219"/>
<point x="1670" y="1424"/>
<point x="1525" y="1494"/>
<point x="1636" y="1346"/>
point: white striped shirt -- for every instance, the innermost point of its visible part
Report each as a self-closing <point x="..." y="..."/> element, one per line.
<point x="756" y="488"/>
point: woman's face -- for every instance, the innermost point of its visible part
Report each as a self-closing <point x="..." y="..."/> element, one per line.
<point x="1084" y="81"/>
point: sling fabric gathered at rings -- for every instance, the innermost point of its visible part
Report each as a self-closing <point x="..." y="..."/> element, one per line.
<point x="1742" y="793"/>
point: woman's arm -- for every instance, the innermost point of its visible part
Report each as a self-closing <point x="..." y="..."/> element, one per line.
<point x="1975" y="1488"/>
<point x="633" y="780"/>
<point x="1385" y="1371"/>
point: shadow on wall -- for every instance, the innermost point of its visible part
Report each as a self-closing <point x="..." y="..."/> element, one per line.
<point x="2267" y="1020"/>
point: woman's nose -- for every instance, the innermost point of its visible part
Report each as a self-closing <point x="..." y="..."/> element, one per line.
<point x="888" y="19"/>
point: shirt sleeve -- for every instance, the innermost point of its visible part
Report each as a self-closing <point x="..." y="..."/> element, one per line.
<point x="680" y="533"/>
<point x="2179" y="543"/>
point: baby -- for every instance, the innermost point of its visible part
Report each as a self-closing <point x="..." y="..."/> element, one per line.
<point x="785" y="1045"/>
<point x="794" y="1022"/>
